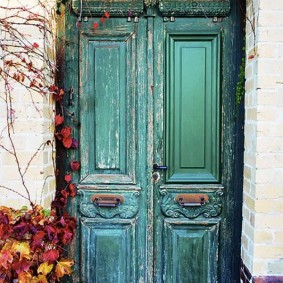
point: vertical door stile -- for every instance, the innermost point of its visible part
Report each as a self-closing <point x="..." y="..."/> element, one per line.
<point x="150" y="120"/>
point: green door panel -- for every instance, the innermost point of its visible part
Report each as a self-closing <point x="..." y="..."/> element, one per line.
<point x="193" y="107"/>
<point x="108" y="250"/>
<point x="107" y="102"/>
<point x="190" y="251"/>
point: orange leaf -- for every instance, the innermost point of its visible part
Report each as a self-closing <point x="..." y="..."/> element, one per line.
<point x="45" y="268"/>
<point x="39" y="279"/>
<point x="24" y="277"/>
<point x="63" y="267"/>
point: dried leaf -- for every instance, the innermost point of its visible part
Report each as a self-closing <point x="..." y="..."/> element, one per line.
<point x="5" y="258"/>
<point x="51" y="256"/>
<point x="63" y="267"/>
<point x="66" y="132"/>
<point x="45" y="268"/>
<point x="39" y="279"/>
<point x="67" y="142"/>
<point x="22" y="248"/>
<point x="68" y="178"/>
<point x="24" y="277"/>
<point x="59" y="120"/>
<point x="75" y="165"/>
<point x="72" y="188"/>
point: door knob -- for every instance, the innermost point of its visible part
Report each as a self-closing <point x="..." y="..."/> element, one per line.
<point x="159" y="167"/>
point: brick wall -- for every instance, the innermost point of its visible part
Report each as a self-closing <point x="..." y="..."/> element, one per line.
<point x="32" y="127"/>
<point x="262" y="234"/>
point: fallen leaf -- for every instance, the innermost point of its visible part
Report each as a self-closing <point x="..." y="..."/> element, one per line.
<point x="63" y="267"/>
<point x="5" y="258"/>
<point x="45" y="268"/>
<point x="22" y="248"/>
<point x="24" y="277"/>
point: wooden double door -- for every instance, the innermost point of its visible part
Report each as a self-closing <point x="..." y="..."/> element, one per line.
<point x="159" y="189"/>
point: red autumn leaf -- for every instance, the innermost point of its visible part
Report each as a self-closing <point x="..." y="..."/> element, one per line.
<point x="65" y="193"/>
<point x="106" y="15"/>
<point x="37" y="239"/>
<point x="59" y="120"/>
<point x="51" y="232"/>
<point x="68" y="178"/>
<point x="67" y="236"/>
<point x="66" y="132"/>
<point x="21" y="266"/>
<point x="67" y="142"/>
<point x="30" y="66"/>
<point x="51" y="255"/>
<point x="102" y="19"/>
<point x="251" y="56"/>
<point x="75" y="165"/>
<point x="5" y="258"/>
<point x="72" y="188"/>
<point x="35" y="45"/>
<point x="95" y="25"/>
<point x="5" y="231"/>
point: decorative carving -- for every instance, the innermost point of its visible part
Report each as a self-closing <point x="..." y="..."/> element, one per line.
<point x="115" y="8"/>
<point x="128" y="209"/>
<point x="201" y="8"/>
<point x="150" y="3"/>
<point x="211" y="208"/>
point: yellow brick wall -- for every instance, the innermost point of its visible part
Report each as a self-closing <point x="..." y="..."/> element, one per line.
<point x="32" y="127"/>
<point x="262" y="234"/>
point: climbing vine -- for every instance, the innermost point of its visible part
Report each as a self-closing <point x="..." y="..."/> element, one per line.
<point x="33" y="240"/>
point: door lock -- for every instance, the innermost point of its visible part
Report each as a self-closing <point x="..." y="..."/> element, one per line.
<point x="155" y="176"/>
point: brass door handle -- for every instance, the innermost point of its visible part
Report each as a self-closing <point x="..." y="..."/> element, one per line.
<point x="103" y="200"/>
<point x="191" y="199"/>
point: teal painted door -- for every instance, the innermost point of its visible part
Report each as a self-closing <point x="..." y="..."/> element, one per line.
<point x="159" y="189"/>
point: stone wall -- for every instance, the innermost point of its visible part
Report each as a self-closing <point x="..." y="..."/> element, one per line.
<point x="262" y="234"/>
